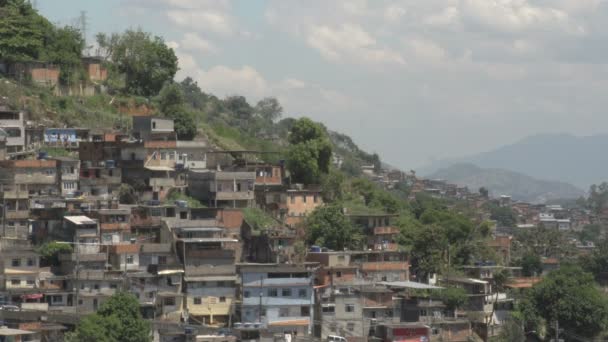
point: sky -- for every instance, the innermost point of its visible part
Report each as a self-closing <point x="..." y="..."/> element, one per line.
<point x="413" y="80"/>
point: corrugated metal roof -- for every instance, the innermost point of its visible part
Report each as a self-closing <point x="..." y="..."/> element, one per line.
<point x="80" y="220"/>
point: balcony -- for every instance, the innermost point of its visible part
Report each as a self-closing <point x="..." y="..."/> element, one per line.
<point x="386" y="230"/>
<point x="16" y="194"/>
<point x="234" y="195"/>
<point x="115" y="226"/>
<point x="17" y="214"/>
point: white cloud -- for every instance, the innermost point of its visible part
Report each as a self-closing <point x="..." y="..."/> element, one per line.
<point x="427" y="50"/>
<point x="350" y="43"/>
<point x="394" y="13"/>
<point x="194" y="43"/>
<point x="514" y="16"/>
<point x="202" y="20"/>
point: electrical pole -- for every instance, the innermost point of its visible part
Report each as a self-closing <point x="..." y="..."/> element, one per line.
<point x="83" y="27"/>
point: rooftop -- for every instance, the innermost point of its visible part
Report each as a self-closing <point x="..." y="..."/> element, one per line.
<point x="80" y="220"/>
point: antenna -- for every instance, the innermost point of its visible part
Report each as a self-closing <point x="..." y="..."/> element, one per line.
<point x="83" y="26"/>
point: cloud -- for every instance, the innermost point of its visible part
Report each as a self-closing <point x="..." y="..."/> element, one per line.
<point x="350" y="43"/>
<point x="513" y="16"/>
<point x="202" y="20"/>
<point x="192" y="42"/>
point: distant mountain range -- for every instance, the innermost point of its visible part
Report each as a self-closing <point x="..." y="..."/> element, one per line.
<point x="566" y="158"/>
<point x="505" y="182"/>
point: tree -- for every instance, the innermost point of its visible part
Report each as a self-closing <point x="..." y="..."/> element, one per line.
<point x="310" y="153"/>
<point x="591" y="233"/>
<point x="127" y="194"/>
<point x="531" y="265"/>
<point x="146" y="61"/>
<point x="305" y="130"/>
<point x="569" y="295"/>
<point x="239" y="107"/>
<point x="328" y="226"/>
<point x="118" y="319"/>
<point x="49" y="252"/>
<point x="454" y="298"/>
<point x="598" y="197"/>
<point x="483" y="191"/>
<point x="22" y="31"/>
<point x="505" y="216"/>
<point x="269" y="109"/>
<point x="597" y="262"/>
<point x="511" y="332"/>
<point x="171" y="104"/>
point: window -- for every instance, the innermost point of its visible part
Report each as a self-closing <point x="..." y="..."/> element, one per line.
<point x="150" y="295"/>
<point x="80" y="302"/>
<point x="341" y="258"/>
<point x="129" y="259"/>
<point x="222" y="299"/>
<point x="15" y="281"/>
<point x="302" y="293"/>
<point x="246" y="294"/>
<point x="197" y="301"/>
<point x="169" y="301"/>
<point x="329" y="309"/>
<point x="15" y="262"/>
<point x="221" y="284"/>
<point x="305" y="311"/>
<point x="350" y="326"/>
<point x="163" y="155"/>
<point x="283" y="312"/>
<point x="57" y="299"/>
<point x="30" y="282"/>
<point x="153" y="124"/>
<point x="111" y="173"/>
<point x="162" y="260"/>
<point x="339" y="274"/>
<point x="96" y="286"/>
<point x="30" y="262"/>
<point x="303" y="198"/>
<point x="286" y="293"/>
<point x="315" y="199"/>
<point x="273" y="293"/>
<point x="349" y="308"/>
<point x="292" y="199"/>
<point x="113" y="286"/>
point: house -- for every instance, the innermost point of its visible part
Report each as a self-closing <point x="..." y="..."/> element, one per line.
<point x="94" y="68"/>
<point x="114" y="225"/>
<point x="148" y="128"/>
<point x="18" y="335"/>
<point x="159" y="282"/>
<point x="100" y="179"/>
<point x="501" y="244"/>
<point x="277" y="298"/>
<point x="299" y="203"/>
<point x="20" y="273"/>
<point x="208" y="254"/>
<point x="222" y="188"/>
<point x="13" y="126"/>
<point x="403" y="332"/>
<point x="69" y="172"/>
<point x="41" y="73"/>
<point x="84" y="232"/>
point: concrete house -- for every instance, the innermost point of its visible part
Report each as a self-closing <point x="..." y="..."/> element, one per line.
<point x="153" y="128"/>
<point x="13" y="125"/>
<point x="222" y="188"/>
<point x="278" y="298"/>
